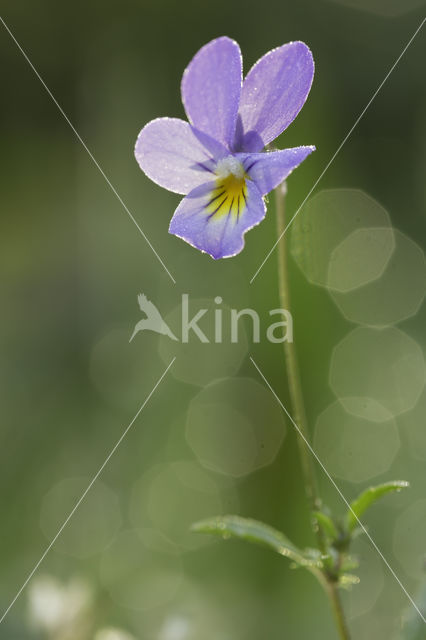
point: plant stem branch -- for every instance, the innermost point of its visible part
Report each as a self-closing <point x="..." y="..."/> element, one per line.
<point x="336" y="605"/>
<point x="299" y="414"/>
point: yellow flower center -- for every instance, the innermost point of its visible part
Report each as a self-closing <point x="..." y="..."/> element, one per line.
<point x="230" y="195"/>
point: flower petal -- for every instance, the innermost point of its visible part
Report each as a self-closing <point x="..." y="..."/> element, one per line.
<point x="217" y="229"/>
<point x="267" y="170"/>
<point x="273" y="93"/>
<point x="211" y="89"/>
<point x="175" y="155"/>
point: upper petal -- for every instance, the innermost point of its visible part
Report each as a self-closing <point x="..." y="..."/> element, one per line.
<point x="216" y="225"/>
<point x="273" y="93"/>
<point x="175" y="155"/>
<point x="267" y="170"/>
<point x="211" y="89"/>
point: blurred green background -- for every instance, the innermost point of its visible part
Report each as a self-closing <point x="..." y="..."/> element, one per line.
<point x="72" y="264"/>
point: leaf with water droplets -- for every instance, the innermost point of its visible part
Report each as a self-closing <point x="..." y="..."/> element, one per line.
<point x="258" y="533"/>
<point x="367" y="498"/>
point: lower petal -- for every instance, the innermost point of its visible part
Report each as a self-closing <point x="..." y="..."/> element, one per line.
<point x="215" y="221"/>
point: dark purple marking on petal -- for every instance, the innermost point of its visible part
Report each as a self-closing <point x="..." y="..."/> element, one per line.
<point x="202" y="166"/>
<point x="251" y="165"/>
<point x="168" y="151"/>
<point x="217" y="208"/>
<point x="230" y="206"/>
<point x="215" y="198"/>
<point x="225" y="226"/>
<point x="223" y="235"/>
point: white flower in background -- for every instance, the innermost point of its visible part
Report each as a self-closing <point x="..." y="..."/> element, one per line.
<point x="113" y="634"/>
<point x="54" y="606"/>
<point x="175" y="628"/>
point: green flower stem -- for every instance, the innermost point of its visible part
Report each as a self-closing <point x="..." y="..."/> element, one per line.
<point x="299" y="415"/>
<point x="292" y="366"/>
<point x="332" y="591"/>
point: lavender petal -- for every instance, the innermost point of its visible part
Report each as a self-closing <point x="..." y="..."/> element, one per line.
<point x="268" y="170"/>
<point x="221" y="236"/>
<point x="273" y="93"/>
<point x="211" y="89"/>
<point x="175" y="155"/>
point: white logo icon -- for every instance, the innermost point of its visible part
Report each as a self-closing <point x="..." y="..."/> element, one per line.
<point x="280" y="331"/>
<point x="153" y="320"/>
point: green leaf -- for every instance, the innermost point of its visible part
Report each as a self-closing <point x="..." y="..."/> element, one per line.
<point x="367" y="498"/>
<point x="327" y="524"/>
<point x="258" y="533"/>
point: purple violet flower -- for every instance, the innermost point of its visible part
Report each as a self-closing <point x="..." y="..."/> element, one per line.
<point x="217" y="159"/>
